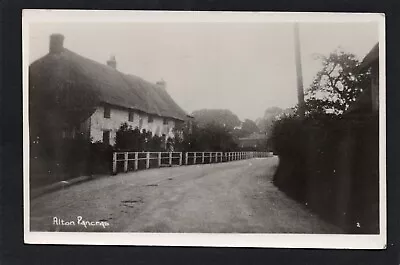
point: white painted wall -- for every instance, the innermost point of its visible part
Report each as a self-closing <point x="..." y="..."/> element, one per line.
<point x="98" y="123"/>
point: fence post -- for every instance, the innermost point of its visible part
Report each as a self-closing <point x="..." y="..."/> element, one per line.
<point x="186" y="158"/>
<point x="202" y="157"/>
<point x="114" y="166"/>
<point x="126" y="162"/>
<point x="147" y="160"/>
<point x="136" y="160"/>
<point x="170" y="158"/>
<point x="216" y="157"/>
<point x="180" y="158"/>
<point x="159" y="159"/>
<point x="194" y="158"/>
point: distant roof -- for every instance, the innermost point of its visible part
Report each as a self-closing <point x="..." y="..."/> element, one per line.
<point x="89" y="83"/>
<point x="254" y="136"/>
<point x="370" y="58"/>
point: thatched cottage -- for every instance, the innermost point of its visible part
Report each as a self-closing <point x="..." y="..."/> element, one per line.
<point x="70" y="94"/>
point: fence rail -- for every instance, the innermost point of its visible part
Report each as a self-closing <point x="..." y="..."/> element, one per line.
<point x="132" y="161"/>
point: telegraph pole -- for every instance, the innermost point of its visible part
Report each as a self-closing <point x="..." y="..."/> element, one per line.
<point x="300" y="90"/>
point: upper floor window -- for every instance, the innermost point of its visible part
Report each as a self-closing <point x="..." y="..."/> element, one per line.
<point x="165" y="121"/>
<point x="130" y="118"/>
<point x="150" y="119"/>
<point x="107" y="112"/>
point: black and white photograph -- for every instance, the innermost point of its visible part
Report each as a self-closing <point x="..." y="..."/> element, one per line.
<point x="226" y="129"/>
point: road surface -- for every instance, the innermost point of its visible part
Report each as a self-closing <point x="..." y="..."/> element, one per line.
<point x="234" y="197"/>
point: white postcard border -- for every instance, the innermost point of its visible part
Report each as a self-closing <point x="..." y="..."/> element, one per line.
<point x="204" y="239"/>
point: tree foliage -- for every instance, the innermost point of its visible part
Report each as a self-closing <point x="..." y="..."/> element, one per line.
<point x="247" y="128"/>
<point x="337" y="85"/>
<point x="271" y="115"/>
<point x="219" y="117"/>
<point x="209" y="137"/>
<point x="132" y="139"/>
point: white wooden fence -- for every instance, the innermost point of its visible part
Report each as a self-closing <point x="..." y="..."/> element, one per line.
<point x="145" y="160"/>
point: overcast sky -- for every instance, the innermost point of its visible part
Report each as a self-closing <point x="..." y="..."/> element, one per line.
<point x="242" y="67"/>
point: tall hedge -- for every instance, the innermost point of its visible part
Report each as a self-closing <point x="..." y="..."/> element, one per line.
<point x="331" y="164"/>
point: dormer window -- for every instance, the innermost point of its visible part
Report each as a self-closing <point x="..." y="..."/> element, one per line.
<point x="150" y="119"/>
<point x="130" y="118"/>
<point x="165" y="121"/>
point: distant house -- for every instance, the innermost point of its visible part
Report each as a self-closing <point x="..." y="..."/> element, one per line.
<point x="253" y="142"/>
<point x="368" y="101"/>
<point x="74" y="95"/>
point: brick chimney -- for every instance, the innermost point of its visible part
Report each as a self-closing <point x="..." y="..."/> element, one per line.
<point x="56" y="43"/>
<point x="112" y="62"/>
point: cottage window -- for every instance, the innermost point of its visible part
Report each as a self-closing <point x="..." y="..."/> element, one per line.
<point x="130" y="118"/>
<point x="106" y="137"/>
<point x="165" y="121"/>
<point x="150" y="119"/>
<point x="107" y="112"/>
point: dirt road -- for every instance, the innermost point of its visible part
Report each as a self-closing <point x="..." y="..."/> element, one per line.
<point x="229" y="197"/>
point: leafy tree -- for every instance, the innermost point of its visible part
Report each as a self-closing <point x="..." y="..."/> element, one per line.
<point x="271" y="115"/>
<point x="221" y="117"/>
<point x="336" y="86"/>
<point x="209" y="137"/>
<point x="249" y="127"/>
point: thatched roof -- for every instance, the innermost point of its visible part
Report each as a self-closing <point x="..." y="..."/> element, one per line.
<point x="72" y="82"/>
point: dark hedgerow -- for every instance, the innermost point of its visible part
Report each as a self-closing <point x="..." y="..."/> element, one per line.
<point x="329" y="161"/>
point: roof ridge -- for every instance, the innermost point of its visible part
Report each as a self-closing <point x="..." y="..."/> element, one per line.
<point x="110" y="85"/>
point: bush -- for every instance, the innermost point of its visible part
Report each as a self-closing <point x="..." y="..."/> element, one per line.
<point x="132" y="139"/>
<point x="100" y="161"/>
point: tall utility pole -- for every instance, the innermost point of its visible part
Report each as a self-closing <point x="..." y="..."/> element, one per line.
<point x="300" y="90"/>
